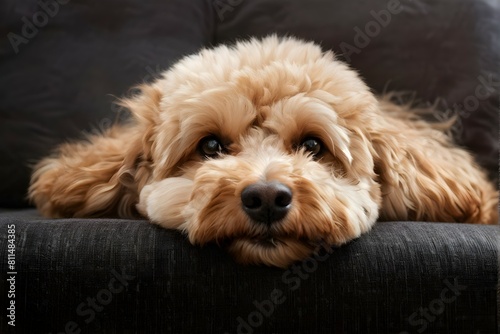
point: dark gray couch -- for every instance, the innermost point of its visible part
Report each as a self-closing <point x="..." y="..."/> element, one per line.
<point x="62" y="63"/>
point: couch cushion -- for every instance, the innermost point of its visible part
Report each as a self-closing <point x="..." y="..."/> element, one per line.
<point x="380" y="283"/>
<point x="61" y="77"/>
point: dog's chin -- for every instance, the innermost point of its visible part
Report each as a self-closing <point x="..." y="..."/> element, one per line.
<point x="271" y="251"/>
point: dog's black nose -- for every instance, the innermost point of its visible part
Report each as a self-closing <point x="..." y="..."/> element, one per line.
<point x="266" y="202"/>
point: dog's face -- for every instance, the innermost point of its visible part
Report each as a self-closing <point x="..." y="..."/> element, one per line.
<point x="261" y="148"/>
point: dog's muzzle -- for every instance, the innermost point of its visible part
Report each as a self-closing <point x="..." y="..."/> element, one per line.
<point x="266" y="202"/>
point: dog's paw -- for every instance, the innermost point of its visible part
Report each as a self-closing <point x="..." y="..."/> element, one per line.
<point x="163" y="202"/>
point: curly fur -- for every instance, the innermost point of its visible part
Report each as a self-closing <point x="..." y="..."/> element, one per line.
<point x="262" y="98"/>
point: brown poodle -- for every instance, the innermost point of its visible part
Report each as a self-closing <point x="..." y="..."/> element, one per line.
<point x="271" y="147"/>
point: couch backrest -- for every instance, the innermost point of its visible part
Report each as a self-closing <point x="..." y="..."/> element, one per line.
<point x="64" y="62"/>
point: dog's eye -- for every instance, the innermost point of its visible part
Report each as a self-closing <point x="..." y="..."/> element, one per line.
<point x="210" y="147"/>
<point x="313" y="146"/>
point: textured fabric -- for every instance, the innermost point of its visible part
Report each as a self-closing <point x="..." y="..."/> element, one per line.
<point x="63" y="82"/>
<point x="377" y="284"/>
<point x="65" y="78"/>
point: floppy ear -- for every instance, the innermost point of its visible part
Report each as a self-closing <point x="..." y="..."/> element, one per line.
<point x="423" y="176"/>
<point x="103" y="175"/>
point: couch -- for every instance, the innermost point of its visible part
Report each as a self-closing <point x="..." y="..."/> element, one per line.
<point x="62" y="65"/>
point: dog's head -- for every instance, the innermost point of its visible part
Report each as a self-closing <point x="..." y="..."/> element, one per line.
<point x="262" y="147"/>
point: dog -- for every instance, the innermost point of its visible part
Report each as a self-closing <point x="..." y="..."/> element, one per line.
<point x="270" y="147"/>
